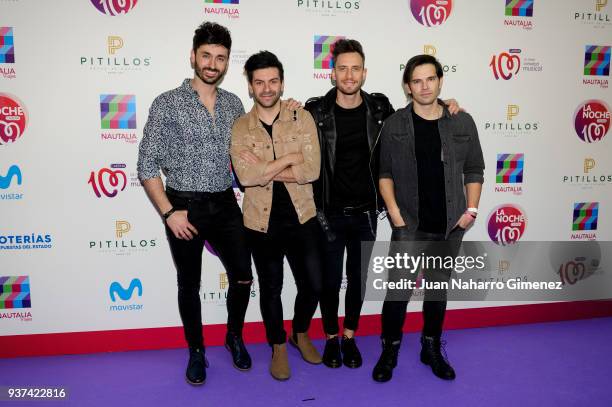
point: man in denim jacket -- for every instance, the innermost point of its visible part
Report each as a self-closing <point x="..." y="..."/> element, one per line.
<point x="275" y="151"/>
<point x="430" y="177"/>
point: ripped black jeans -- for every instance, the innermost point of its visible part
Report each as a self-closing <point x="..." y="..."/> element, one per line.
<point x="218" y="220"/>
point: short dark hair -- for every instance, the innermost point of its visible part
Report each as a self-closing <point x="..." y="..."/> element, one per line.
<point x="343" y="46"/>
<point x="262" y="60"/>
<point x="419" y="60"/>
<point x="213" y="34"/>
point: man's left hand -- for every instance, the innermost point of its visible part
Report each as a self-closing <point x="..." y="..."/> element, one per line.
<point x="465" y="221"/>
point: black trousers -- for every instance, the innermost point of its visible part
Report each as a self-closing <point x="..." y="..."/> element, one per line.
<point x="434" y="303"/>
<point x="350" y="231"/>
<point x="218" y="220"/>
<point x="300" y="244"/>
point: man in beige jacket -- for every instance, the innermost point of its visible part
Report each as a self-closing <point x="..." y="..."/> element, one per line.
<point x="275" y="153"/>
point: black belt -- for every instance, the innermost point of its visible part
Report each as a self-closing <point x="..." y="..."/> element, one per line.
<point x="351" y="210"/>
<point x="197" y="195"/>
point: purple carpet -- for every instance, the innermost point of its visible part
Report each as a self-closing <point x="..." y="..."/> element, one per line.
<point x="551" y="364"/>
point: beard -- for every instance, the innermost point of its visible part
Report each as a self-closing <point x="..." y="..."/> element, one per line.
<point x="208" y="80"/>
<point x="268" y="102"/>
<point x="347" y="90"/>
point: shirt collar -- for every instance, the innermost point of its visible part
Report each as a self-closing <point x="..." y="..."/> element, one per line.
<point x="186" y="87"/>
<point x="285" y="115"/>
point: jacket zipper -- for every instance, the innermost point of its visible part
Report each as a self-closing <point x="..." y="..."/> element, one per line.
<point x="372" y="175"/>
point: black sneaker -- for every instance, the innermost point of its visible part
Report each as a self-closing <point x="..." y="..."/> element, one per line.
<point x="240" y="356"/>
<point x="351" y="357"/>
<point x="434" y="355"/>
<point x="331" y="355"/>
<point x="196" y="368"/>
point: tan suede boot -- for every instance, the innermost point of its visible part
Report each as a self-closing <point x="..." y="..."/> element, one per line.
<point x="309" y="353"/>
<point x="279" y="366"/>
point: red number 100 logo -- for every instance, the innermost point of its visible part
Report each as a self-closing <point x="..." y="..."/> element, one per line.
<point x="571" y="272"/>
<point x="505" y="65"/>
<point x="108" y="181"/>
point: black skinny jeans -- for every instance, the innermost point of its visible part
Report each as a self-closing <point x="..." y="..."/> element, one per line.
<point x="218" y="220"/>
<point x="434" y="303"/>
<point x="350" y="231"/>
<point x="300" y="244"/>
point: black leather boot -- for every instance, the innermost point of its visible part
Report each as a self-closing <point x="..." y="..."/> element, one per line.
<point x="383" y="371"/>
<point x="331" y="355"/>
<point x="196" y="368"/>
<point x="434" y="355"/>
<point x="240" y="356"/>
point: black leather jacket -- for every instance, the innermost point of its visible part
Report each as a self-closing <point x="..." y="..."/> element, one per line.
<point x="378" y="109"/>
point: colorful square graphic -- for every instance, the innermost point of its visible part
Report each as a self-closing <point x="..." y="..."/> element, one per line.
<point x="519" y="8"/>
<point x="118" y="111"/>
<point x="15" y="292"/>
<point x="7" y="45"/>
<point x="510" y="168"/>
<point x="585" y="216"/>
<point x="323" y="47"/>
<point x="597" y="60"/>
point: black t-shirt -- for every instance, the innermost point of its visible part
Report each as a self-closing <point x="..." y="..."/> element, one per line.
<point x="352" y="184"/>
<point x="282" y="211"/>
<point x="430" y="167"/>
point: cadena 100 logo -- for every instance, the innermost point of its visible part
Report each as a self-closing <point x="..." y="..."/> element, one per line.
<point x="592" y="121"/>
<point x="114" y="7"/>
<point x="13" y="118"/>
<point x="108" y="181"/>
<point x="431" y="13"/>
<point x="506" y="64"/>
<point x="506" y="224"/>
<point x="573" y="271"/>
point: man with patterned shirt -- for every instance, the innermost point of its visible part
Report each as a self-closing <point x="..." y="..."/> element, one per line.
<point x="187" y="136"/>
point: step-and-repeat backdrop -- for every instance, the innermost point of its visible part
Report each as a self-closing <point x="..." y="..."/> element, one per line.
<point x="81" y="247"/>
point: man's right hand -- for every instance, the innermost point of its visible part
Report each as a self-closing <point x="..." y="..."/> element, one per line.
<point x="249" y="157"/>
<point x="180" y="226"/>
<point x="296" y="158"/>
<point x="396" y="218"/>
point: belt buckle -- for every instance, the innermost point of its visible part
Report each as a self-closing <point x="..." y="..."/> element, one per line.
<point x="348" y="211"/>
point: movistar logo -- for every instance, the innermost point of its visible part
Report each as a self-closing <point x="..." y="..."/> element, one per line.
<point x="13" y="171"/>
<point x="116" y="289"/>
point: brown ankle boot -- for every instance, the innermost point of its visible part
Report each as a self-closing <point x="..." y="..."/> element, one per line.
<point x="309" y="353"/>
<point x="279" y="366"/>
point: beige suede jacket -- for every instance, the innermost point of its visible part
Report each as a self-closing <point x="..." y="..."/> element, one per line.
<point x="293" y="132"/>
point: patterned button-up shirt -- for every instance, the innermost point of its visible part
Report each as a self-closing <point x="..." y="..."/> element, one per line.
<point x="183" y="140"/>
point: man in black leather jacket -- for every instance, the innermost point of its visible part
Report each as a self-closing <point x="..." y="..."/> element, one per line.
<point x="348" y="123"/>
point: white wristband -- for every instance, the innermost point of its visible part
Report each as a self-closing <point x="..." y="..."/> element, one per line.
<point x="475" y="210"/>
